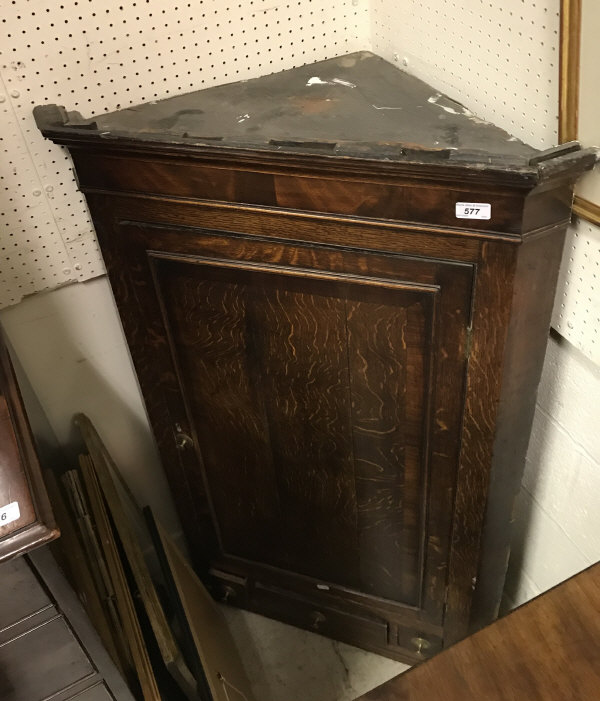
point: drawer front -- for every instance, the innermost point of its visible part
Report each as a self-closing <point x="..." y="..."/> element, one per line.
<point x="58" y="659"/>
<point x="332" y="623"/>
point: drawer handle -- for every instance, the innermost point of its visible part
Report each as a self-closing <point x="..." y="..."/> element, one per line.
<point x="421" y="644"/>
<point x="316" y="619"/>
<point x="228" y="593"/>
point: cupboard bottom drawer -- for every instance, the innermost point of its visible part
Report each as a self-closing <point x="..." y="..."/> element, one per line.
<point x="334" y="623"/>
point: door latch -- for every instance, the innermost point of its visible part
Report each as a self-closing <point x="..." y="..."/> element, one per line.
<point x="182" y="440"/>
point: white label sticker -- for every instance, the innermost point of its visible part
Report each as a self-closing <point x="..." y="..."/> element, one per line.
<point x="473" y="210"/>
<point x="9" y="513"/>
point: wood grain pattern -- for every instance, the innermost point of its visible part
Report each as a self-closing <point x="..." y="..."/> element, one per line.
<point x="401" y="200"/>
<point x="387" y="426"/>
<point x="282" y="343"/>
<point x="208" y="323"/>
<point x="513" y="368"/>
<point x="209" y="320"/>
<point x="493" y="294"/>
<point x="300" y="346"/>
<point x="536" y="273"/>
<point x="546" y="649"/>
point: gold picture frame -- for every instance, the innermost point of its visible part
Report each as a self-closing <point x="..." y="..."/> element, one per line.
<point x="577" y="46"/>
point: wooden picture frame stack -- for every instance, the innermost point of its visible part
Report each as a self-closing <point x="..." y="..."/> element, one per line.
<point x="104" y="552"/>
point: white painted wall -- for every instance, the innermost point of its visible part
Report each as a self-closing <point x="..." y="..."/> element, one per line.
<point x="558" y="511"/>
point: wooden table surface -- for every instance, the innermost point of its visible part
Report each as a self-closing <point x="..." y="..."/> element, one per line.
<point x="546" y="650"/>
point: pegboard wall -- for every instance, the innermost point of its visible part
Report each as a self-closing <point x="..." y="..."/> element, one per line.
<point x="97" y="57"/>
<point x="499" y="59"/>
<point x="577" y="306"/>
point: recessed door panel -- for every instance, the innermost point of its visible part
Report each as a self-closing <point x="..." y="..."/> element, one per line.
<point x="310" y="381"/>
<point x="308" y="396"/>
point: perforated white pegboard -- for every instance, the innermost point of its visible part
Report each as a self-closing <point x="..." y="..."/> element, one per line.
<point x="577" y="307"/>
<point x="500" y="59"/>
<point x="99" y="56"/>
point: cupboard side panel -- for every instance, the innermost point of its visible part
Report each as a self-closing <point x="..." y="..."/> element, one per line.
<point x="535" y="286"/>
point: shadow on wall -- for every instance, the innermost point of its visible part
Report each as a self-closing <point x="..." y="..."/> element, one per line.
<point x="557" y="514"/>
<point x="71" y="346"/>
<point x="517" y="589"/>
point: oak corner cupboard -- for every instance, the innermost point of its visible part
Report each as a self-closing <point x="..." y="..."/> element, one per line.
<point x="336" y="284"/>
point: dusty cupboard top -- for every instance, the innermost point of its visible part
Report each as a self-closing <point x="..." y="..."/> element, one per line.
<point x="355" y="107"/>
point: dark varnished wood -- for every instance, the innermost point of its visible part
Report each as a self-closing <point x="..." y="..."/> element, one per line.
<point x="354" y="365"/>
<point x="505" y="359"/>
<point x="403" y="276"/>
<point x="547" y="649"/>
<point x="265" y="250"/>
<point x="390" y="198"/>
<point x="20" y="471"/>
<point x="306" y="454"/>
<point x="536" y="274"/>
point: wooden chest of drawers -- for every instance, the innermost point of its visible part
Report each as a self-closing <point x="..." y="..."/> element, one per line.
<point x="26" y="519"/>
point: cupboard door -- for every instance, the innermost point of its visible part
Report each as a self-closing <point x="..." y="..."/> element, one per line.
<point x="322" y="388"/>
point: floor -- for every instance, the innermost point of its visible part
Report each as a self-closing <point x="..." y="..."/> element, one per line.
<point x="288" y="664"/>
